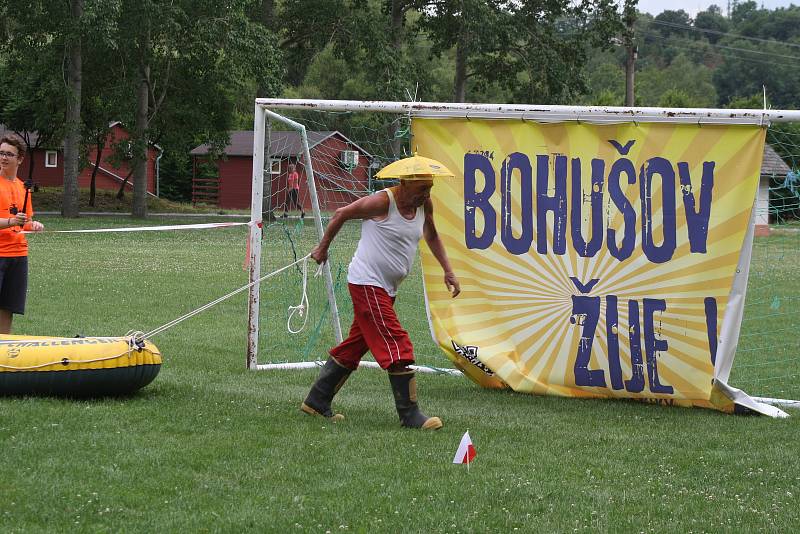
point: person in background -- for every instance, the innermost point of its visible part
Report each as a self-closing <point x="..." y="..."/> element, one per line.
<point x="393" y="221"/>
<point x="16" y="215"/>
<point x="293" y="194"/>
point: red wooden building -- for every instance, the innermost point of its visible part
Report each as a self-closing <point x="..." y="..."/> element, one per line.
<point x="48" y="163"/>
<point x="341" y="171"/>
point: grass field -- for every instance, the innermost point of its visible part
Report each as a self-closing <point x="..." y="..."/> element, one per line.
<point x="211" y="447"/>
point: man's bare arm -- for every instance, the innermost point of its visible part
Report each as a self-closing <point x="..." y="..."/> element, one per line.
<point x="363" y="208"/>
<point x="431" y="236"/>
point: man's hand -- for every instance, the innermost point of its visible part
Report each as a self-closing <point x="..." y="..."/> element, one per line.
<point x="320" y="254"/>
<point x="452" y="284"/>
<point x="36" y="226"/>
<point x="20" y="218"/>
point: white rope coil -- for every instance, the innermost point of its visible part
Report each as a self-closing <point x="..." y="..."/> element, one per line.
<point x="301" y="310"/>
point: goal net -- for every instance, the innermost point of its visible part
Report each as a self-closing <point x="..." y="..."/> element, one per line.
<point x="342" y="150"/>
<point x="768" y="357"/>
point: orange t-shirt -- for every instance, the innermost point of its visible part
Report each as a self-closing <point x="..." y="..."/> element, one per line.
<point x="12" y="240"/>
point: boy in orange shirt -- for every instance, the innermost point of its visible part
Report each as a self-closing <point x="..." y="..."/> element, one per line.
<point x="15" y="215"/>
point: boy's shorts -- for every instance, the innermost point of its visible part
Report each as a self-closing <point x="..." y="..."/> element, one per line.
<point x="13" y="283"/>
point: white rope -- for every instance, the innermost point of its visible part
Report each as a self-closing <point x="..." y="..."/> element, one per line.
<point x="301" y="309"/>
<point x="148" y="228"/>
<point x="303" y="303"/>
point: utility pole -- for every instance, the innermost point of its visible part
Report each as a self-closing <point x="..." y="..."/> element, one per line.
<point x="631" y="51"/>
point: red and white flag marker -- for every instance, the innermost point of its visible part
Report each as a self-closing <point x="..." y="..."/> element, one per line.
<point x="466" y="451"/>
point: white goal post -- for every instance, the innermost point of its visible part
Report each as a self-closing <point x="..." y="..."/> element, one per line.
<point x="256" y="215"/>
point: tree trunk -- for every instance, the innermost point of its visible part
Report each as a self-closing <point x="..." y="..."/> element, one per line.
<point x="140" y="145"/>
<point x="268" y="13"/>
<point x="398" y="19"/>
<point x="121" y="190"/>
<point x="267" y="18"/>
<point x="460" y="77"/>
<point x="72" y="140"/>
<point x="100" y="144"/>
<point x="398" y="16"/>
<point x="630" y="64"/>
<point x="630" y="51"/>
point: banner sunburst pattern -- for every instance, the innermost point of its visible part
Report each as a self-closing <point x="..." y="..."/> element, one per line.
<point x="594" y="260"/>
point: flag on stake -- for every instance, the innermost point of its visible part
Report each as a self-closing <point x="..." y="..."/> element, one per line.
<point x="466" y="451"/>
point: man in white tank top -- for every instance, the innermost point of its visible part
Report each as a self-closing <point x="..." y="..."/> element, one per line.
<point x="394" y="220"/>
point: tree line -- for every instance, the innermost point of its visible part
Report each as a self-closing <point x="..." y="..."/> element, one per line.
<point x="184" y="72"/>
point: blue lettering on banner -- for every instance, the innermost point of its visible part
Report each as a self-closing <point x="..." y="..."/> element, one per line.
<point x="544" y="195"/>
<point x="654" y="346"/>
<point x="586" y="314"/>
<point x="636" y="382"/>
<point x="474" y="163"/>
<point x="662" y="167"/>
<point x="557" y="203"/>
<point x="587" y="250"/>
<point x="556" y="211"/>
<point x="522" y="244"/>
<point x="710" y="305"/>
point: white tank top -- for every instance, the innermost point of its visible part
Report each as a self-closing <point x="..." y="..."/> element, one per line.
<point x="387" y="248"/>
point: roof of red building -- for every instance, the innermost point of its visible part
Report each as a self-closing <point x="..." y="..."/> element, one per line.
<point x="282" y="143"/>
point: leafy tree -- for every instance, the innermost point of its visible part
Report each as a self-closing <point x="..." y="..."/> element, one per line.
<point x="756" y="65"/>
<point x="684" y="78"/>
<point x="743" y="11"/>
<point x="478" y="31"/>
<point x="32" y="104"/>
<point x="32" y="100"/>
<point x="190" y="60"/>
<point x="675" y="98"/>
<point x="605" y="80"/>
<point x="551" y="42"/>
<point x="746" y="102"/>
<point x="782" y="24"/>
<point x="713" y="20"/>
<point x="309" y="26"/>
<point x="673" y="22"/>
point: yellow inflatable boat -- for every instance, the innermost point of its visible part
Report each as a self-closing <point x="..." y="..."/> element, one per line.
<point x="76" y="367"/>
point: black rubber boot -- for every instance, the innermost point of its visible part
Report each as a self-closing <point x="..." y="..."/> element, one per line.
<point x="331" y="378"/>
<point x="404" y="387"/>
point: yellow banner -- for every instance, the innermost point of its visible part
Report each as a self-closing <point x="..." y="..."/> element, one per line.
<point x="594" y="260"/>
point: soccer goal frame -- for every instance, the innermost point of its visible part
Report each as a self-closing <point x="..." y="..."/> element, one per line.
<point x="265" y="109"/>
<point x="260" y="136"/>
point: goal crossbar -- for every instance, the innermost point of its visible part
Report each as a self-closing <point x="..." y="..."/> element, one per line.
<point x="595" y="114"/>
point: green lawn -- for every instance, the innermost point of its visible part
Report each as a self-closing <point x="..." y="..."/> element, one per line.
<point x="212" y="447"/>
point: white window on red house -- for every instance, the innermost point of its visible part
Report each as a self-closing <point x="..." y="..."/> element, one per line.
<point x="51" y="158"/>
<point x="275" y="166"/>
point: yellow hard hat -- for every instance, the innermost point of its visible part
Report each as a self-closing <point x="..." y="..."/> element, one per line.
<point x="414" y="168"/>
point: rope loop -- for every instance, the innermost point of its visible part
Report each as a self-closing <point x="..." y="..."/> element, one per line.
<point x="136" y="340"/>
<point x="300" y="309"/>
